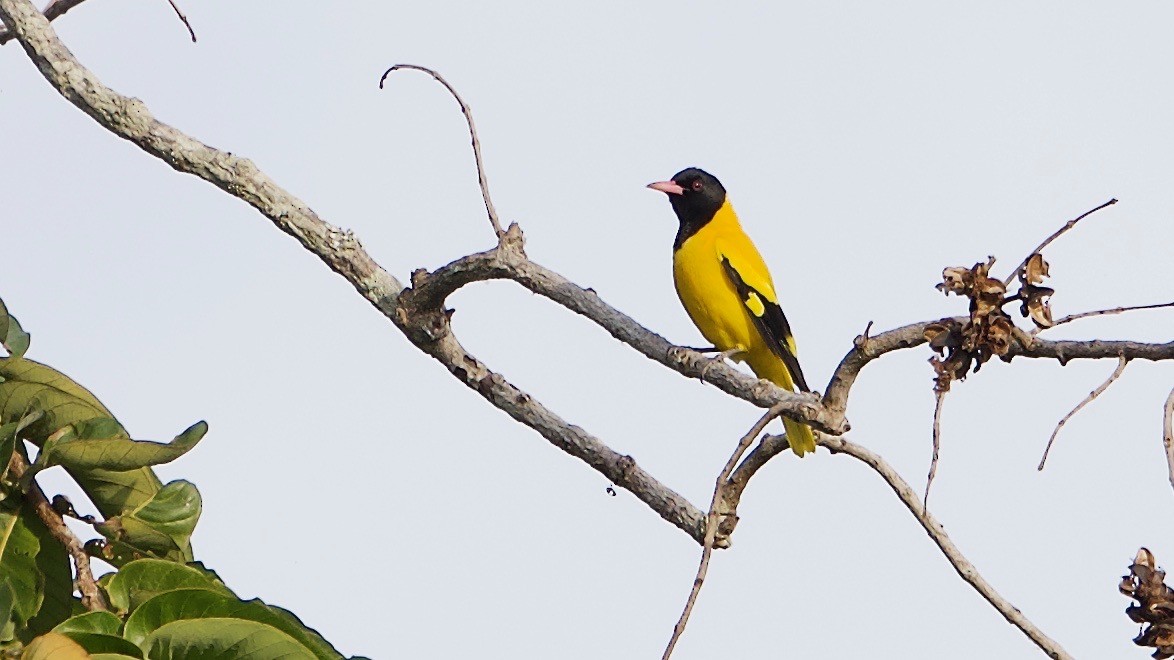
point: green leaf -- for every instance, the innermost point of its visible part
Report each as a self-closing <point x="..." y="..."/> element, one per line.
<point x="113" y="656"/>
<point x="7" y="445"/>
<point x="64" y="401"/>
<point x="36" y="568"/>
<point x="103" y="623"/>
<point x="98" y="427"/>
<point x="18" y="566"/>
<point x="14" y="338"/>
<point x="163" y="525"/>
<point x="54" y="646"/>
<point x="101" y="444"/>
<point x="99" y="643"/>
<point x="142" y="579"/>
<point x="222" y="639"/>
<point x="7" y="603"/>
<point x="197" y="604"/>
<point x="25" y="383"/>
<point x="11" y="431"/>
<point x="55" y="573"/>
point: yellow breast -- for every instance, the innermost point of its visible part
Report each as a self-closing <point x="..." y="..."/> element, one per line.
<point x="706" y="291"/>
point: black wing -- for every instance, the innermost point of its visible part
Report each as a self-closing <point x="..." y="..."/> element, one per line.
<point x="771" y="324"/>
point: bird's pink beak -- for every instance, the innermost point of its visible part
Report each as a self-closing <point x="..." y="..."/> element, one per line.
<point x="669" y="187"/>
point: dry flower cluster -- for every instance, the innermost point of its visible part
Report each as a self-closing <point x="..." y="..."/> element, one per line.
<point x="1155" y="604"/>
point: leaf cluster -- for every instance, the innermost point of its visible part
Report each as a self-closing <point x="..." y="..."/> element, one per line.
<point x="162" y="603"/>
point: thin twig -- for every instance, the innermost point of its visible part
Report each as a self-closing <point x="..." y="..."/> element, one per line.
<point x="1048" y="241"/>
<point x="711" y="524"/>
<point x="481" y="178"/>
<point x="184" y="19"/>
<point x="771" y="446"/>
<point x="940" y="394"/>
<point x="1100" y="312"/>
<point x="1121" y="362"/>
<point x="92" y="598"/>
<point x="1168" y="434"/>
<point x="937" y="533"/>
<point x="53" y="10"/>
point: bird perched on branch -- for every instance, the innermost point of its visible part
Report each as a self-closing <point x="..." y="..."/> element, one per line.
<point x="727" y="290"/>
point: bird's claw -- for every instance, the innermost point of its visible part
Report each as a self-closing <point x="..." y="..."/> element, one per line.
<point x="717" y="359"/>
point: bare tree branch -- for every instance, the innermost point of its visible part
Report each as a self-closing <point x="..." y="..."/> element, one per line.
<point x="54" y="9"/>
<point x="1095" y="349"/>
<point x="711" y="524"/>
<point x="481" y="178"/>
<point x="938" y="534"/>
<point x="92" y="598"/>
<point x="508" y="261"/>
<point x="771" y="446"/>
<point x="1048" y="241"/>
<point x="129" y="119"/>
<point x="340" y="250"/>
<point x="1087" y="400"/>
<point x="1100" y="312"/>
<point x="426" y="324"/>
<point x="865" y="349"/>
<point x="940" y="397"/>
<point x="184" y="19"/>
<point x="1168" y="433"/>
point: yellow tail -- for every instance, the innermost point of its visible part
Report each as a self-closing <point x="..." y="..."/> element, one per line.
<point x="800" y="436"/>
<point x="766" y="365"/>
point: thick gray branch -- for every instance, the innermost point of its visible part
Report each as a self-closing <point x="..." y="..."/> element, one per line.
<point x="867" y="349"/>
<point x="425" y="325"/>
<point x="129" y="119"/>
<point x="509" y="262"/>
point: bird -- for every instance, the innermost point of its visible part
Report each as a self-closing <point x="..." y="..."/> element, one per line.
<point x="728" y="292"/>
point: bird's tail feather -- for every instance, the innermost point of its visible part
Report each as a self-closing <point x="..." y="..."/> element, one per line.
<point x="800" y="436"/>
<point x="767" y="366"/>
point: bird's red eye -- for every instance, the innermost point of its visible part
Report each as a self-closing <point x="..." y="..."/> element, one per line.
<point x="696" y="185"/>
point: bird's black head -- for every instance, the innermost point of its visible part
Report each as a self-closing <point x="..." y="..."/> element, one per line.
<point x="696" y="195"/>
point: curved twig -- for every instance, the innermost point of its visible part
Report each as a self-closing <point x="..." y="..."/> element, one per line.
<point x="938" y="534"/>
<point x="481" y="178"/>
<point x="711" y="524"/>
<point x="1099" y="312"/>
<point x="1087" y="400"/>
<point x="184" y="19"/>
<point x="1059" y="232"/>
<point x="771" y="446"/>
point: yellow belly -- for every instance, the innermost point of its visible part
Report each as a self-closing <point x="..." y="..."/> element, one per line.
<point x="709" y="296"/>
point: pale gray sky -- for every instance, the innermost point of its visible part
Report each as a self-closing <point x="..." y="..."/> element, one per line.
<point x="349" y="478"/>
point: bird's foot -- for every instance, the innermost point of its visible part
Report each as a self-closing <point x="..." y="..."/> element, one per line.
<point x="717" y="359"/>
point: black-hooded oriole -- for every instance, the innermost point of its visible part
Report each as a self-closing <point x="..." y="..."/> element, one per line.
<point x="727" y="290"/>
